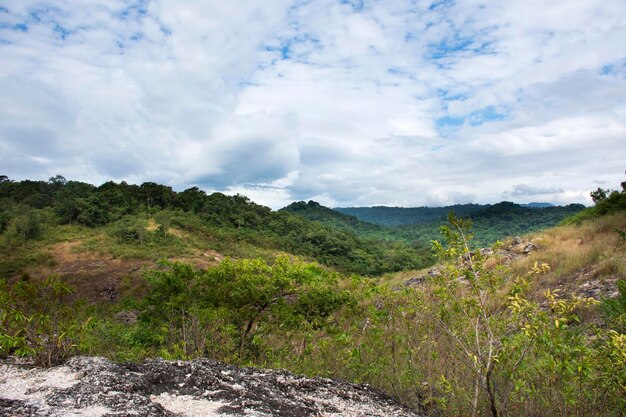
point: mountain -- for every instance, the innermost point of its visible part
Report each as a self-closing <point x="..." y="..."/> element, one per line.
<point x="396" y="216"/>
<point x="340" y="221"/>
<point x="492" y="222"/>
<point x="537" y="205"/>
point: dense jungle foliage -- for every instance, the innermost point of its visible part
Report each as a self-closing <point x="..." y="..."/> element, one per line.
<point x="479" y="337"/>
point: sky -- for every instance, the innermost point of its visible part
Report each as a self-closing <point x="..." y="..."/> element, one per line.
<point x="348" y="103"/>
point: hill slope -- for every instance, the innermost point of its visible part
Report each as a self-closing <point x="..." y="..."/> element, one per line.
<point x="153" y="221"/>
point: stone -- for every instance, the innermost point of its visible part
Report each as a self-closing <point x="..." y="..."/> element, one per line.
<point x="129" y="317"/>
<point x="415" y="281"/>
<point x="529" y="247"/>
<point x="93" y="386"/>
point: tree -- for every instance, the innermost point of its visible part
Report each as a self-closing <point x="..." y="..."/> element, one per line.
<point x="470" y="312"/>
<point x="192" y="199"/>
<point x="599" y="195"/>
<point x="250" y="297"/>
<point x="512" y="345"/>
<point x="70" y="200"/>
<point x="153" y="195"/>
<point x="57" y="181"/>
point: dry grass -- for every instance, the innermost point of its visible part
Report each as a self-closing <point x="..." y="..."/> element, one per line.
<point x="592" y="250"/>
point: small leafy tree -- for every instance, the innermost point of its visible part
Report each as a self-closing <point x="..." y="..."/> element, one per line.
<point x="20" y="227"/>
<point x="38" y="321"/>
<point x="470" y="311"/>
<point x="246" y="298"/>
<point x="599" y="194"/>
<point x="521" y="356"/>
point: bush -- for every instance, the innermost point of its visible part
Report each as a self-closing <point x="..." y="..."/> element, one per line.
<point x="21" y="227"/>
<point x="238" y="302"/>
<point x="130" y="229"/>
<point x="614" y="309"/>
<point x="39" y="322"/>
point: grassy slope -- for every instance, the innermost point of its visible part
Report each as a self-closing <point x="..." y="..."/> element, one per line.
<point x="590" y="252"/>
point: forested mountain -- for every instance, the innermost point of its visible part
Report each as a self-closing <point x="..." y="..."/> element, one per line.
<point x="340" y="221"/>
<point x="421" y="224"/>
<point x="497" y="221"/>
<point x="231" y="225"/>
<point x="395" y="216"/>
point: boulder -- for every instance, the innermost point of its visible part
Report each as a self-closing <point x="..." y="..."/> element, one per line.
<point x="529" y="247"/>
<point x="92" y="386"/>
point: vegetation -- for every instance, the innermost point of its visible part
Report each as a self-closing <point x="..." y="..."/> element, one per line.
<point x="232" y="225"/>
<point x="606" y="201"/>
<point x="493" y="222"/>
<point x="480" y="337"/>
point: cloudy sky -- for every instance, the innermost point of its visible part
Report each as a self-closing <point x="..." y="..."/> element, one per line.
<point x="349" y="103"/>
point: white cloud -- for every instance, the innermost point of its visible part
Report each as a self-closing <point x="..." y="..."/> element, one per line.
<point x="395" y="102"/>
<point x="529" y="190"/>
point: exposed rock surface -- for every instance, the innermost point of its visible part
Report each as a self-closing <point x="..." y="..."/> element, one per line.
<point x="97" y="387"/>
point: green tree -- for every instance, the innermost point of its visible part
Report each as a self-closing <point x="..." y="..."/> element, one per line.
<point x="599" y="195"/>
<point x="71" y="200"/>
<point x="249" y="297"/>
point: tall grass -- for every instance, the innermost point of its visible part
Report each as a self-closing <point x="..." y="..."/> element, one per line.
<point x="578" y="253"/>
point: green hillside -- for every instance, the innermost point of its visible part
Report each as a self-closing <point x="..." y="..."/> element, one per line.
<point x="35" y="215"/>
<point x="492" y="222"/>
<point x="340" y="221"/>
<point x="396" y="216"/>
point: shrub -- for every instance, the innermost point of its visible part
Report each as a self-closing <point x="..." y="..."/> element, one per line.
<point x="39" y="322"/>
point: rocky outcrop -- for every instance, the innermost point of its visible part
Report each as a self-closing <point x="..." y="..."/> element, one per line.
<point x="504" y="256"/>
<point x="87" y="386"/>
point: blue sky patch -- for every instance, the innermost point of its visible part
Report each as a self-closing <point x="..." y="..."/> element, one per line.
<point x="488" y="114"/>
<point x="357" y="5"/>
<point x="450" y="121"/>
<point x="441" y="3"/>
<point x="61" y="31"/>
<point x="286" y="46"/>
<point x="614" y="69"/>
<point x="137" y="10"/>
<point x="607" y="69"/>
<point x="165" y="30"/>
<point x="446" y="125"/>
<point x="22" y="27"/>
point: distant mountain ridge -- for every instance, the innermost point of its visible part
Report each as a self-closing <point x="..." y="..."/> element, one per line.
<point x="396" y="216"/>
<point x="537" y="205"/>
<point x="420" y="225"/>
